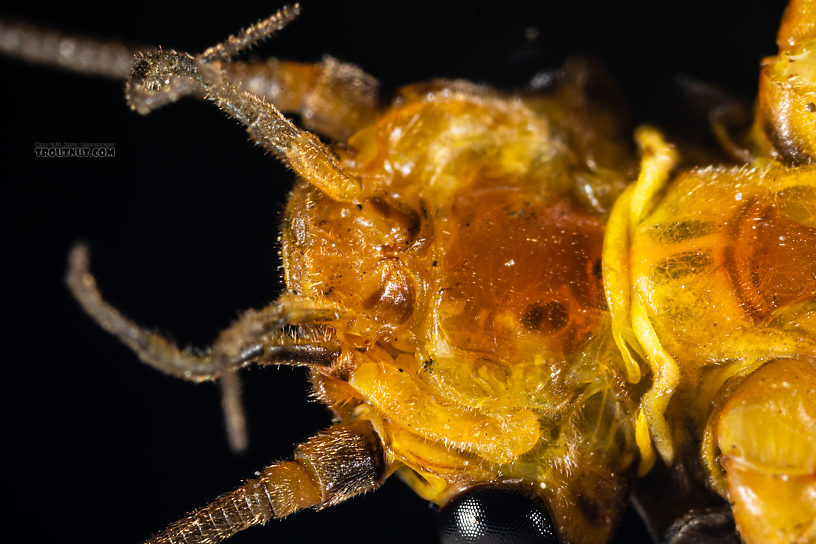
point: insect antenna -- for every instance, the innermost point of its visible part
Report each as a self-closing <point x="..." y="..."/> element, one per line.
<point x="260" y="337"/>
<point x="336" y="464"/>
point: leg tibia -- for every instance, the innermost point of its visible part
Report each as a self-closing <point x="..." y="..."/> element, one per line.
<point x="301" y="150"/>
<point x="252" y="35"/>
<point x="82" y="55"/>
<point x="334" y="98"/>
<point x="257" y="337"/>
<point x="336" y="464"/>
<point x="152" y="348"/>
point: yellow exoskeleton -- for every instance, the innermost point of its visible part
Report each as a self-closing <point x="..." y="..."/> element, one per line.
<point x="502" y="301"/>
<point x="710" y="276"/>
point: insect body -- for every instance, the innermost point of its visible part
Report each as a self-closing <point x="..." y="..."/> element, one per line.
<point x="469" y="194"/>
<point x="446" y="290"/>
<point x="738" y="262"/>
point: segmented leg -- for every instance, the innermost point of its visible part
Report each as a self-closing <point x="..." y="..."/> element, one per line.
<point x="301" y="150"/>
<point x="75" y="53"/>
<point x="333" y="98"/>
<point x="251" y="35"/>
<point x="701" y="526"/>
<point x="786" y="106"/>
<point x="345" y="460"/>
<point x="160" y="77"/>
<point x="632" y="330"/>
<point x="257" y="337"/>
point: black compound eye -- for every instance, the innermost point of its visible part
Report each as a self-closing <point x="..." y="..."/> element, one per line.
<point x="496" y="514"/>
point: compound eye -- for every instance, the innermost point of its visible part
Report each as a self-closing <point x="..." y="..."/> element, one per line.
<point x="496" y="514"/>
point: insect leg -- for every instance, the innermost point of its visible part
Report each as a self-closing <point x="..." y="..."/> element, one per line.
<point x="345" y="460"/>
<point x="333" y="98"/>
<point x="701" y="526"/>
<point x="152" y="348"/>
<point x="251" y="35"/>
<point x="301" y="150"/>
<point x="786" y="104"/>
<point x="165" y="76"/>
<point x="632" y="330"/>
<point x="160" y="72"/>
<point x="676" y="511"/>
<point x="256" y="336"/>
<point x="40" y="46"/>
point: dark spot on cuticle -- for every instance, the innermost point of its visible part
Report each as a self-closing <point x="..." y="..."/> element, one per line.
<point x="548" y="317"/>
<point x="588" y="506"/>
<point x="597" y="270"/>
<point x="682" y="265"/>
<point x="681" y="230"/>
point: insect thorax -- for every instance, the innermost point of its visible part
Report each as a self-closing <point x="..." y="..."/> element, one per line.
<point x="474" y="332"/>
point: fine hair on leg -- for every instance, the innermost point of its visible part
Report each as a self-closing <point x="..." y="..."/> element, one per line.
<point x="336" y="464"/>
<point x="159" y="77"/>
<point x="265" y="337"/>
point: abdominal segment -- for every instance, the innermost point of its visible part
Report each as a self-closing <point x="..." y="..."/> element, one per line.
<point x="771" y="259"/>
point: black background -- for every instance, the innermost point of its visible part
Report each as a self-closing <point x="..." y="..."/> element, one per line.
<point x="182" y="225"/>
